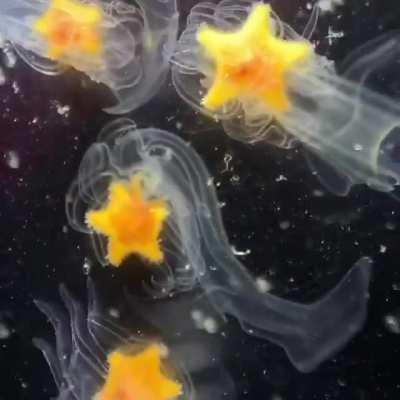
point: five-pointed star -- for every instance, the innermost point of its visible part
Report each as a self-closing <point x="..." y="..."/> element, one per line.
<point x="70" y="27"/>
<point x="131" y="222"/>
<point x="251" y="62"/>
<point x="138" y="377"/>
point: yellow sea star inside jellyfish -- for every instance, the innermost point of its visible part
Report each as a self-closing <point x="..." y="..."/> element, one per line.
<point x="71" y="28"/>
<point x="138" y="377"/>
<point x="251" y="62"/>
<point x="131" y="222"/>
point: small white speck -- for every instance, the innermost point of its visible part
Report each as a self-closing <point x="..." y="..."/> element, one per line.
<point x="392" y="323"/>
<point x="210" y="325"/>
<point x="86" y="266"/>
<point x="113" y="312"/>
<point x="235" y="179"/>
<point x="237" y="252"/>
<point x="5" y="333"/>
<point x="263" y="285"/>
<point x="12" y="159"/>
<point x="391" y="226"/>
<point x="329" y="5"/>
<point x="9" y="56"/>
<point x="197" y="315"/>
<point x="382" y="248"/>
<point x="2" y="77"/>
<point x="62" y="109"/>
<point x="284" y="225"/>
<point x="281" y="178"/>
<point x="318" y="193"/>
<point x="15" y="87"/>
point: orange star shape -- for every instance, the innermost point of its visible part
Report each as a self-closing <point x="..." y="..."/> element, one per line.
<point x="138" y="377"/>
<point x="70" y="27"/>
<point x="251" y="62"/>
<point x="131" y="223"/>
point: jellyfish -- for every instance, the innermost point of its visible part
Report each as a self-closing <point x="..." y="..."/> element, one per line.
<point x="192" y="247"/>
<point x="106" y="353"/>
<point x="123" y="46"/>
<point x="238" y="63"/>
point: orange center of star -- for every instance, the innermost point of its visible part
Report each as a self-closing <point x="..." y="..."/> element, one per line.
<point x="70" y="27"/>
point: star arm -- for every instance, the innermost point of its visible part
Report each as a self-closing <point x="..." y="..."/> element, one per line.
<point x="99" y="221"/>
<point x="219" y="93"/>
<point x="290" y="52"/>
<point x="258" y="24"/>
<point x="215" y="42"/>
<point x="117" y="251"/>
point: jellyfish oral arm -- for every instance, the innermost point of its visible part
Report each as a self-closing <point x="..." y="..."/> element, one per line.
<point x="309" y="333"/>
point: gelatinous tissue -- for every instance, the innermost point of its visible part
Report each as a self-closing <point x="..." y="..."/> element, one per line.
<point x="174" y="193"/>
<point x="239" y="63"/>
<point x="123" y="45"/>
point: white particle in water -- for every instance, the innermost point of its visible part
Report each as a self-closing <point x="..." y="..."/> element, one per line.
<point x="281" y="178"/>
<point x="9" y="56"/>
<point x="318" y="193"/>
<point x="235" y="179"/>
<point x="263" y="285"/>
<point x="284" y="225"/>
<point x="15" y="87"/>
<point x="197" y="315"/>
<point x="2" y="77"/>
<point x="5" y="333"/>
<point x="237" y="252"/>
<point x="329" y="5"/>
<point x="392" y="323"/>
<point x="12" y="159"/>
<point x="210" y="325"/>
<point x="113" y="312"/>
<point x="86" y="266"/>
<point x="391" y="226"/>
<point x="62" y="109"/>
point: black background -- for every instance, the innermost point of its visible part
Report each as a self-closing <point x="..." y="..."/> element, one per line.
<point x="301" y="240"/>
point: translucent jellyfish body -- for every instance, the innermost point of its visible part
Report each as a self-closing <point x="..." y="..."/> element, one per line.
<point x="237" y="62"/>
<point x="125" y="46"/>
<point x="101" y="354"/>
<point x="194" y="246"/>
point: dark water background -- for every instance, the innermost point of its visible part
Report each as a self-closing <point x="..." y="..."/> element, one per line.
<point x="300" y="238"/>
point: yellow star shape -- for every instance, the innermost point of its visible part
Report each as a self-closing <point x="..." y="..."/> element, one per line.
<point x="138" y="377"/>
<point x="131" y="223"/>
<point x="251" y="62"/>
<point x="70" y="27"/>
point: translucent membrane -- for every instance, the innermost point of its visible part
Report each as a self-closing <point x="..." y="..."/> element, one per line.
<point x="196" y="246"/>
<point x="137" y="42"/>
<point x="349" y="131"/>
<point x="86" y="336"/>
